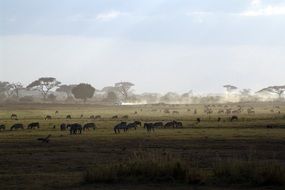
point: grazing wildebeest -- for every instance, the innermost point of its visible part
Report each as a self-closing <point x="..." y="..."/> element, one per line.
<point x="115" y="117"/>
<point x="138" y="123"/>
<point x="122" y="125"/>
<point x="47" y="117"/>
<point x="2" y="127"/>
<point x="44" y="140"/>
<point x="198" y="120"/>
<point x="68" y="117"/>
<point x="56" y="112"/>
<point x="17" y="126"/>
<point x="14" y="116"/>
<point x="89" y="126"/>
<point x="98" y="117"/>
<point x="234" y="118"/>
<point x="135" y="113"/>
<point x="125" y="117"/>
<point x="34" y="125"/>
<point x="149" y="127"/>
<point x="63" y="127"/>
<point x="158" y="125"/>
<point x="74" y="128"/>
<point x="269" y="126"/>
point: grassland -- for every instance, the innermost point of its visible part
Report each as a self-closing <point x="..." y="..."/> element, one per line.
<point x="25" y="163"/>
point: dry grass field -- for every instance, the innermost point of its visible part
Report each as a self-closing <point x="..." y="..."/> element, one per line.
<point x="26" y="163"/>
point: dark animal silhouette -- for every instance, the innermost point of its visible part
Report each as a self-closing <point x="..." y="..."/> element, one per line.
<point x="88" y="126"/>
<point x="17" y="126"/>
<point x="75" y="128"/>
<point x="269" y="126"/>
<point x="125" y="117"/>
<point x="68" y="117"/>
<point x="14" y="116"/>
<point x="198" y="120"/>
<point x="115" y="117"/>
<point x="134" y="125"/>
<point x="81" y="116"/>
<point x="56" y="112"/>
<point x="219" y="119"/>
<point x="234" y="118"/>
<point x="92" y="117"/>
<point x="63" y="127"/>
<point x="158" y="125"/>
<point x="34" y="125"/>
<point x="98" y="117"/>
<point x="2" y="127"/>
<point x="44" y="140"/>
<point x="149" y="127"/>
<point x="48" y="117"/>
<point x="121" y="126"/>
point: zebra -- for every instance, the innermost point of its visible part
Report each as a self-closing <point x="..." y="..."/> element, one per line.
<point x="88" y="126"/>
<point x="134" y="125"/>
<point x="75" y="128"/>
<point x="34" y="125"/>
<point x="17" y="126"/>
<point x="122" y="125"/>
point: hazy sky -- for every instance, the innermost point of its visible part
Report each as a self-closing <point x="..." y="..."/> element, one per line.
<point x="160" y="45"/>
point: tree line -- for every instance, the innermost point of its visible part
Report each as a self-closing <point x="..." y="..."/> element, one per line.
<point x="121" y="91"/>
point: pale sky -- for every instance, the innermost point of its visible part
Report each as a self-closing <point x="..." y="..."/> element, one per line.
<point x="159" y="45"/>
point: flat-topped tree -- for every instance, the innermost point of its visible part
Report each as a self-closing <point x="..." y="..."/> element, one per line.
<point x="124" y="87"/>
<point x="44" y="85"/>
<point x="279" y="90"/>
<point x="230" y="88"/>
<point x="83" y="91"/>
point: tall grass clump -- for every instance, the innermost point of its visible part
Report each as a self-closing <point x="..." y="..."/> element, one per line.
<point x="251" y="172"/>
<point x="145" y="167"/>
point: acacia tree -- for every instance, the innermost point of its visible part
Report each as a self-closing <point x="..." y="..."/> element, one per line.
<point x="44" y="85"/>
<point x="230" y="88"/>
<point x="66" y="89"/>
<point x="83" y="91"/>
<point x="15" y="88"/>
<point x="279" y="90"/>
<point x="123" y="88"/>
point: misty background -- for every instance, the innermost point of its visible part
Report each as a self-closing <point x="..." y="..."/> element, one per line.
<point x="159" y="45"/>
